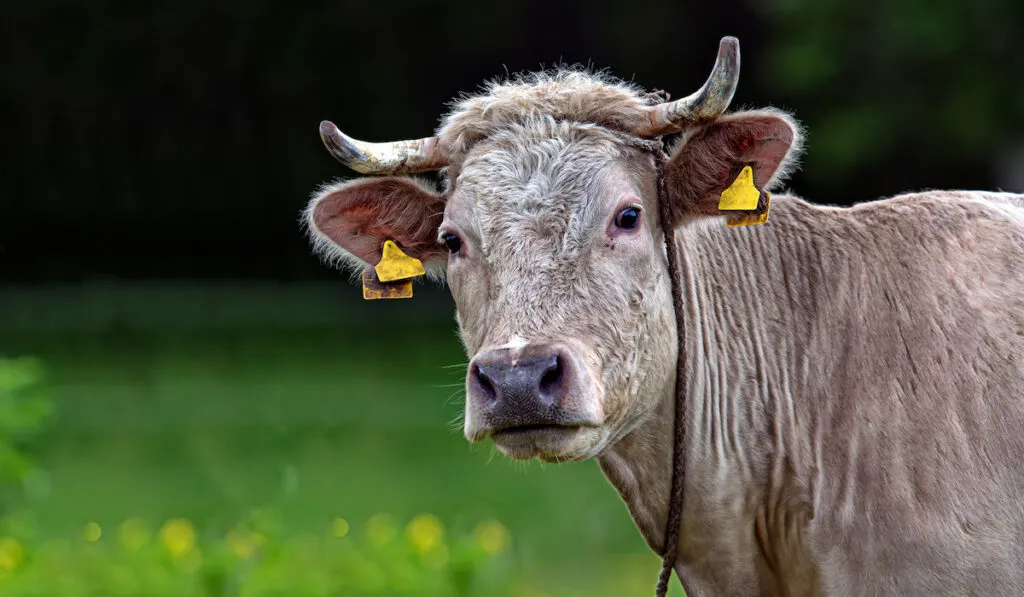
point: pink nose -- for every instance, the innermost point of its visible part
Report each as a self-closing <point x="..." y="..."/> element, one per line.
<point x="519" y="389"/>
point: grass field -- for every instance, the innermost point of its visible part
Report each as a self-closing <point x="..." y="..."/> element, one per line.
<point x="314" y="423"/>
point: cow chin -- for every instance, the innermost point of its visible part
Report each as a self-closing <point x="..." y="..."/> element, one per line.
<point x="550" y="443"/>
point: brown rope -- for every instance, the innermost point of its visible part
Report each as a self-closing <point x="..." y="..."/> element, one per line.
<point x="675" y="504"/>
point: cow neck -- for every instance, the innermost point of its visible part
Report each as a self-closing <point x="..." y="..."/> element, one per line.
<point x="675" y="505"/>
<point x="674" y="521"/>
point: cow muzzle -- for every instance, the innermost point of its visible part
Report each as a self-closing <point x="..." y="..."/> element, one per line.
<point x="534" y="401"/>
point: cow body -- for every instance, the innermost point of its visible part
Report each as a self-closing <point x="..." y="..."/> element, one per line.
<point x="855" y="403"/>
<point x="854" y="377"/>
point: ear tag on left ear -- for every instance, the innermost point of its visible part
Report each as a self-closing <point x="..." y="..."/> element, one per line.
<point x="758" y="216"/>
<point x="395" y="265"/>
<point x="741" y="195"/>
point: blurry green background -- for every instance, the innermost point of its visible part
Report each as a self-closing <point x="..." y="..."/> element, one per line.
<point x="202" y="365"/>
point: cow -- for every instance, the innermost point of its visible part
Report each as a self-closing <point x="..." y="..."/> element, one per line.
<point x="853" y="377"/>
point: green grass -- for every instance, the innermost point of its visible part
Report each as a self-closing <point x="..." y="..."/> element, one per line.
<point x="314" y="423"/>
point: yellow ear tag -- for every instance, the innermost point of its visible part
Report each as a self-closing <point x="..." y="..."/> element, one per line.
<point x="759" y="216"/>
<point x="741" y="194"/>
<point x="395" y="265"/>
<point x="374" y="289"/>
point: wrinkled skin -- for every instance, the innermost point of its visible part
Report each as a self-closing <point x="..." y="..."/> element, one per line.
<point x="854" y="377"/>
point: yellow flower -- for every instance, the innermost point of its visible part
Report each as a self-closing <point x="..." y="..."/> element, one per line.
<point x="437" y="557"/>
<point x="491" y="536"/>
<point x="132" y="534"/>
<point x="92" y="532"/>
<point x="425" y="532"/>
<point x="11" y="555"/>
<point x="380" y="529"/>
<point x="178" y="536"/>
<point x="244" y="543"/>
<point x="191" y="561"/>
<point x="339" y="528"/>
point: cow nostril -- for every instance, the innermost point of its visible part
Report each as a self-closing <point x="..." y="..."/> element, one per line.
<point x="551" y="380"/>
<point x="484" y="385"/>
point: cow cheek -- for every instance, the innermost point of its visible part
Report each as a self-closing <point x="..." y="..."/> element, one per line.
<point x="616" y="336"/>
<point x="638" y="368"/>
<point x="470" y="307"/>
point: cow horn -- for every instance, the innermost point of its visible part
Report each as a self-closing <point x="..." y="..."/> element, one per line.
<point x="709" y="102"/>
<point x="397" y="157"/>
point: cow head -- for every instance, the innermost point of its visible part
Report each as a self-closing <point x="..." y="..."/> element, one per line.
<point x="547" y="231"/>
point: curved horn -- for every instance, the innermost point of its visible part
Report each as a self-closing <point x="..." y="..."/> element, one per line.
<point x="398" y="157"/>
<point x="709" y="102"/>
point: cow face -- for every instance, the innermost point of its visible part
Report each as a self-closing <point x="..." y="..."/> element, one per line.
<point x="550" y="240"/>
<point x="562" y="292"/>
<point x="550" y="243"/>
<point x="548" y="233"/>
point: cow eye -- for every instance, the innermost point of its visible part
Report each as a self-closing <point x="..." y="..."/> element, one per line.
<point x="452" y="241"/>
<point x="628" y="218"/>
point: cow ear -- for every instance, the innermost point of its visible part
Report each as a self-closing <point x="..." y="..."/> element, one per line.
<point x="348" y="222"/>
<point x="710" y="158"/>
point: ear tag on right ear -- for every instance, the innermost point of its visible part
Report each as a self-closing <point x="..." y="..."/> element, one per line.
<point x="741" y="195"/>
<point x="392" y="277"/>
<point x="374" y="289"/>
<point x="395" y="265"/>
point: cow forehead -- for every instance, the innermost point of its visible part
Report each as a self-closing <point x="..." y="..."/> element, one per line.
<point x="541" y="181"/>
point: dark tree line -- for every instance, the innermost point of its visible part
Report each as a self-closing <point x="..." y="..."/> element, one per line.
<point x="178" y="140"/>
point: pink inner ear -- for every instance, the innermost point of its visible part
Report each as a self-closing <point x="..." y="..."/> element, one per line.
<point x="711" y="158"/>
<point x="351" y="229"/>
<point x="760" y="140"/>
<point x="766" y="155"/>
<point x="359" y="216"/>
